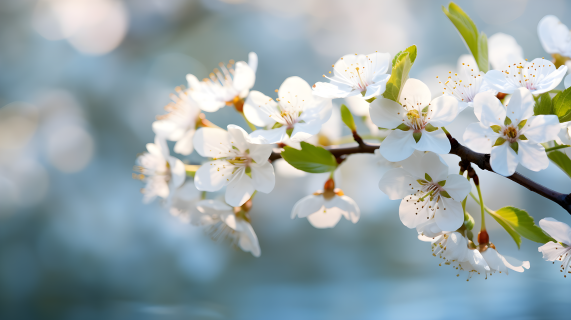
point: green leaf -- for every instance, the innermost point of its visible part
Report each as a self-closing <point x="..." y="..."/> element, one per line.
<point x="511" y="231"/>
<point x="396" y="57"/>
<point x="543" y="105"/>
<point x="310" y="158"/>
<point x="561" y="160"/>
<point x="562" y="105"/>
<point x="477" y="44"/>
<point x="399" y="74"/>
<point x="523" y="224"/>
<point x="347" y="118"/>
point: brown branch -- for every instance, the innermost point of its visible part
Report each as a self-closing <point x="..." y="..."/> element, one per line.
<point x="466" y="156"/>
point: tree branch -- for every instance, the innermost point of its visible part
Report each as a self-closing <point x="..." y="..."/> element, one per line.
<point x="467" y="156"/>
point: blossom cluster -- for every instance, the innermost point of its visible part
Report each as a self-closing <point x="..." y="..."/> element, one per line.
<point x="433" y="200"/>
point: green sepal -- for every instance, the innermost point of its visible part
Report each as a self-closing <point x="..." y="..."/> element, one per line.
<point x="249" y="171"/>
<point x="445" y="194"/>
<point x="442" y="183"/>
<point x="521" y="124"/>
<point x="514" y="146"/>
<point x="371" y="99"/>
<point x="522" y="137"/>
<point x="403" y="127"/>
<point x="499" y="142"/>
<point x="468" y="221"/>
<point x="507" y="121"/>
<point x="430" y="128"/>
<point x="289" y="131"/>
<point x="277" y="125"/>
<point x="417" y="136"/>
<point x="496" y="128"/>
<point x="427" y="177"/>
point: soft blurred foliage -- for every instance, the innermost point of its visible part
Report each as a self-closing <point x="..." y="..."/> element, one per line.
<point x="81" y="82"/>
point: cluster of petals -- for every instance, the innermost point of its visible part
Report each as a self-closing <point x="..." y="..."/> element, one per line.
<point x="428" y="193"/>
<point x="225" y="222"/>
<point x="554" y="36"/>
<point x="296" y="116"/>
<point x="511" y="134"/>
<point x="324" y="208"/>
<point x="180" y="123"/>
<point x="415" y="119"/>
<point x="225" y="86"/>
<point x="356" y="74"/>
<point x="560" y="249"/>
<point x="239" y="162"/>
<point x="465" y="84"/>
<point x="161" y="172"/>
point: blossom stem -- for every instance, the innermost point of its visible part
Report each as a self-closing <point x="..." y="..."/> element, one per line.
<point x="482" y="208"/>
<point x="445" y="131"/>
<point x="557" y="147"/>
<point x="191" y="169"/>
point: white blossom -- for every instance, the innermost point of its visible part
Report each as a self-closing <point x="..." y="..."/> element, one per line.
<point x="554" y="36"/>
<point x="325" y="208"/>
<point x="356" y="74"/>
<point x="513" y="141"/>
<point x="560" y="250"/>
<point x="538" y="76"/>
<point x="297" y="116"/>
<point x="180" y="123"/>
<point x="225" y="222"/>
<point x="239" y="162"/>
<point x="427" y="191"/>
<point x="225" y="86"/>
<point x="503" y="50"/>
<point x="161" y="172"/>
<point x="414" y="117"/>
<point x="499" y="263"/>
<point x="464" y="85"/>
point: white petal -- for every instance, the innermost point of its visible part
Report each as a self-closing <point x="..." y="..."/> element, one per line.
<point x="307" y="205"/>
<point x="239" y="189"/>
<point x="503" y="50"/>
<point x="184" y="144"/>
<point x="260" y="152"/>
<point x="457" y="187"/>
<point x="504" y="160"/>
<point x="253" y="61"/>
<point x="449" y="215"/>
<point x="178" y="172"/>
<point x="358" y="105"/>
<point x="532" y="155"/>
<point x="297" y="87"/>
<point x="386" y="113"/>
<point x="270" y="136"/>
<point x="415" y="92"/>
<point x="238" y="138"/>
<point x="475" y="262"/>
<point x="159" y="148"/>
<point x="263" y="177"/>
<point x="258" y="108"/>
<point x="489" y="109"/>
<point x="429" y="230"/>
<point x="380" y="63"/>
<point x="304" y="131"/>
<point x="398" y="145"/>
<point x="552" y="34"/>
<point x="521" y="105"/>
<point x="167" y="129"/>
<point x="398" y="183"/>
<point x="556" y="229"/>
<point x="211" y="142"/>
<point x="442" y="110"/>
<point x="376" y="89"/>
<point x="332" y="91"/>
<point x="244" y="76"/>
<point x="213" y="175"/>
<point x="552" y="251"/>
<point x="326" y="218"/>
<point x="515" y="264"/>
<point x="480" y="138"/>
<point x="542" y="128"/>
<point x="551" y="81"/>
<point x="413" y="213"/>
<point x="433" y="165"/>
<point x="248" y="240"/>
<point x="435" y="141"/>
<point x="350" y="209"/>
<point x="497" y="80"/>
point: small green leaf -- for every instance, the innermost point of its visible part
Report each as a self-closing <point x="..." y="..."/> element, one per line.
<point x="310" y="158"/>
<point x="511" y="231"/>
<point x="477" y="44"/>
<point x="429" y="127"/>
<point x="562" y="105"/>
<point x="403" y="127"/>
<point x="347" y="118"/>
<point x="523" y="224"/>
<point x="442" y="183"/>
<point x="371" y="99"/>
<point x="514" y="146"/>
<point x="417" y="136"/>
<point x="543" y="105"/>
<point x="399" y="73"/>
<point x="427" y="177"/>
<point x="499" y="142"/>
<point x="496" y="128"/>
<point x="396" y="57"/>
<point x="249" y="171"/>
<point x="561" y="160"/>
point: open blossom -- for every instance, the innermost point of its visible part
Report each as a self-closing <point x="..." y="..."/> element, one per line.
<point x="180" y="123"/>
<point x="538" y="76"/>
<point x="161" y="172"/>
<point x="554" y="36"/>
<point x="499" y="263"/>
<point x="415" y="119"/>
<point x="356" y="74"/>
<point x="296" y="116"/>
<point x="240" y="163"/>
<point x="325" y="208"/>
<point x="465" y="84"/>
<point x="228" y="85"/>
<point x="511" y="134"/>
<point x="427" y="191"/>
<point x="225" y="222"/>
<point x="503" y="50"/>
<point x="560" y="250"/>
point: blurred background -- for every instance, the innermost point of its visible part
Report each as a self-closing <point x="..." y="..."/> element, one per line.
<point x="81" y="81"/>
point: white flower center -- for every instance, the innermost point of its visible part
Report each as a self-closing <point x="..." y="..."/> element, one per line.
<point x="465" y="87"/>
<point x="290" y="108"/>
<point x="416" y="117"/>
<point x="357" y="76"/>
<point x="510" y="133"/>
<point x="528" y="75"/>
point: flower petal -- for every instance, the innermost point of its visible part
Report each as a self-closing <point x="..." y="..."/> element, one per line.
<point x="415" y="92"/>
<point x="350" y="209"/>
<point x="239" y="189"/>
<point x="213" y="175"/>
<point x="304" y="131"/>
<point x="442" y="110"/>
<point x="244" y="76"/>
<point x="552" y="251"/>
<point x="504" y="160"/>
<point x="543" y="128"/>
<point x="435" y="141"/>
<point x="211" y="142"/>
<point x="386" y="113"/>
<point x="253" y="61"/>
<point x="412" y="212"/>
<point x="270" y="136"/>
<point x="258" y="109"/>
<point x="178" y="172"/>
<point x="295" y="87"/>
<point x="532" y="155"/>
<point x="248" y="240"/>
<point x="489" y="109"/>
<point x="503" y="50"/>
<point x="497" y="80"/>
<point x="184" y="144"/>
<point x="433" y="165"/>
<point x="398" y="145"/>
<point x="558" y="230"/>
<point x="480" y="138"/>
<point x="520" y="106"/>
<point x="457" y="187"/>
<point x="398" y="183"/>
<point x="307" y="205"/>
<point x="326" y="218"/>
<point x="332" y="91"/>
<point x="449" y="215"/>
<point x="552" y="34"/>
<point x="552" y="80"/>
<point x="263" y="176"/>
